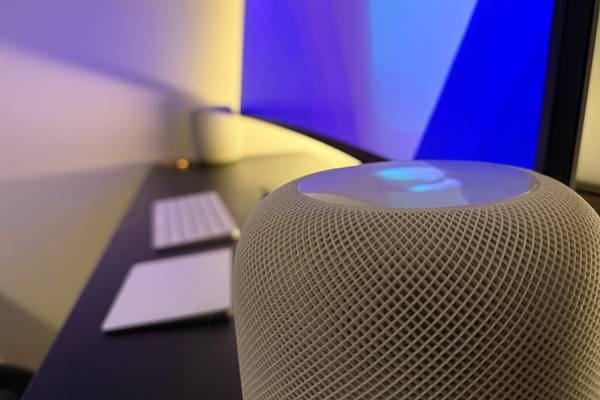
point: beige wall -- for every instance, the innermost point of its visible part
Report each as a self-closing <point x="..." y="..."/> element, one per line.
<point x="90" y="94"/>
<point x="588" y="166"/>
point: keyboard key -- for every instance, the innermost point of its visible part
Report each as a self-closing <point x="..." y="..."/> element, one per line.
<point x="192" y="218"/>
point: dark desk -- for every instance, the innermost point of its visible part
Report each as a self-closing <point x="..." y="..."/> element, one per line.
<point x="195" y="360"/>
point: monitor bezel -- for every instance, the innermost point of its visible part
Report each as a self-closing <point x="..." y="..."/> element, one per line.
<point x="565" y="93"/>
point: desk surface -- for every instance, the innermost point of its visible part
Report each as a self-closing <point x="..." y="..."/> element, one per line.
<point x="193" y="360"/>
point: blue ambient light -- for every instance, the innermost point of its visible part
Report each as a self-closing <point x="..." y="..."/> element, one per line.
<point x="411" y="174"/>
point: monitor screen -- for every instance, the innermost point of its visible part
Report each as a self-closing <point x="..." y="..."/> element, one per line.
<point x="461" y="79"/>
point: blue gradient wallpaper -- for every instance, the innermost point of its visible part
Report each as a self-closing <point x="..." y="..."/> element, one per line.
<point x="460" y="79"/>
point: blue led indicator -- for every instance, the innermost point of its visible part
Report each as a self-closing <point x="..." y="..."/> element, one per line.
<point x="410" y="174"/>
<point x="435" y="187"/>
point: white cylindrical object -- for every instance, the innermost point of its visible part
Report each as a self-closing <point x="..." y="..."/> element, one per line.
<point x="217" y="137"/>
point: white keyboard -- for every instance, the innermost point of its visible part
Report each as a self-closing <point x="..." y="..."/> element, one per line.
<point x="192" y="218"/>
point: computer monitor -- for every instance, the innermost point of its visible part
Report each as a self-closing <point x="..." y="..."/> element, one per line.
<point x="487" y="80"/>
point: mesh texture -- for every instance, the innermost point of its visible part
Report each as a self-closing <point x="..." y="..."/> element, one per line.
<point x="495" y="301"/>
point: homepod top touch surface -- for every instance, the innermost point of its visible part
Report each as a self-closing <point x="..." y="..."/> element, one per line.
<point x="418" y="184"/>
<point x="420" y="280"/>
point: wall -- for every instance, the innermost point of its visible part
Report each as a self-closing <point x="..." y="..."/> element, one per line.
<point x="90" y="94"/>
<point x="588" y="164"/>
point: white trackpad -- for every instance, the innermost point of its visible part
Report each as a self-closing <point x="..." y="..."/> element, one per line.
<point x="171" y="289"/>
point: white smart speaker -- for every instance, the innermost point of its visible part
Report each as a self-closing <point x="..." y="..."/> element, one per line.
<point x="420" y="281"/>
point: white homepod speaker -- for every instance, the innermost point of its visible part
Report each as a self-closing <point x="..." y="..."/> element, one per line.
<point x="420" y="280"/>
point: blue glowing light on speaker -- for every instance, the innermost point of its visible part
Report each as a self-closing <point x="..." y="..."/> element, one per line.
<point x="448" y="183"/>
<point x="410" y="174"/>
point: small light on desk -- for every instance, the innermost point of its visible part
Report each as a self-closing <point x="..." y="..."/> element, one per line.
<point x="182" y="163"/>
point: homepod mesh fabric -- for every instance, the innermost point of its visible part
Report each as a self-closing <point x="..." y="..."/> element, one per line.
<point x="497" y="301"/>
